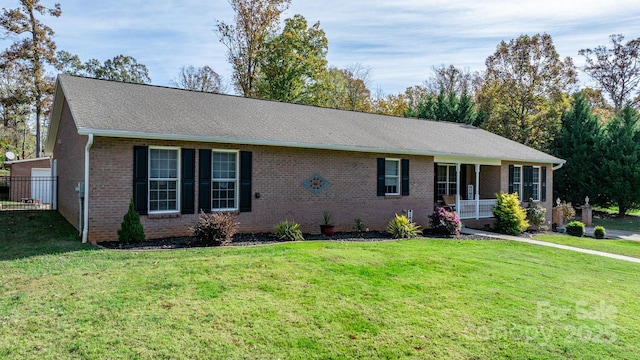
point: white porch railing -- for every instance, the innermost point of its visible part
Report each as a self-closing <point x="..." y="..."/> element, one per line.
<point x="484" y="208"/>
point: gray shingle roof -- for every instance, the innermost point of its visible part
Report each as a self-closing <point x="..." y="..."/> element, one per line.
<point x="108" y="108"/>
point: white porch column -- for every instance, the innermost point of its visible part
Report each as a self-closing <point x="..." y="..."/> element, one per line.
<point x="458" y="188"/>
<point x="477" y="191"/>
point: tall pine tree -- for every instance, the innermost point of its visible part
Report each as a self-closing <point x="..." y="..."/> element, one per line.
<point x="577" y="143"/>
<point x="620" y="157"/>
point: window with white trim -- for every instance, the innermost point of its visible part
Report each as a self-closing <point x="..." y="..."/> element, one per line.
<point x="522" y="179"/>
<point x="164" y="178"/>
<point x="224" y="180"/>
<point x="517" y="180"/>
<point x="392" y="176"/>
<point x="535" y="191"/>
<point x="446" y="180"/>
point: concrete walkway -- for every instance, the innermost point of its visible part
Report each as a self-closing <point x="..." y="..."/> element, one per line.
<point x="553" y="245"/>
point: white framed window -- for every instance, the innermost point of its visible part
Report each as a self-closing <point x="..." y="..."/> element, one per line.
<point x="392" y="176"/>
<point x="535" y="191"/>
<point x="517" y="180"/>
<point x="527" y="180"/>
<point x="446" y="180"/>
<point x="164" y="179"/>
<point x="224" y="180"/>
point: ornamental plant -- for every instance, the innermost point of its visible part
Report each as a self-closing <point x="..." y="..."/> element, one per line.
<point x="445" y="222"/>
<point x="567" y="212"/>
<point x="288" y="230"/>
<point x="599" y="232"/>
<point x="535" y="213"/>
<point x="131" y="229"/>
<point x="216" y="228"/>
<point x="575" y="228"/>
<point x="401" y="228"/>
<point x="511" y="218"/>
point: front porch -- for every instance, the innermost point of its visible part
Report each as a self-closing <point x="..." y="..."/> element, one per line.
<point x="469" y="189"/>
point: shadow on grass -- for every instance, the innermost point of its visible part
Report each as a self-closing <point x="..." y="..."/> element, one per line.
<point x="33" y="233"/>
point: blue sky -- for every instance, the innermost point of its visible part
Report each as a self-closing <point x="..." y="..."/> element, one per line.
<point x="400" y="41"/>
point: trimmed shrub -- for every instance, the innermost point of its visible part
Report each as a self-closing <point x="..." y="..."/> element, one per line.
<point x="216" y="228"/>
<point x="131" y="229"/>
<point x="536" y="213"/>
<point x="599" y="232"/>
<point x="445" y="222"/>
<point x="511" y="218"/>
<point x="288" y="230"/>
<point x="575" y="228"/>
<point x="401" y="228"/>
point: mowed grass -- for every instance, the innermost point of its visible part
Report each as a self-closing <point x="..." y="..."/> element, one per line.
<point x="422" y="298"/>
<point x="620" y="247"/>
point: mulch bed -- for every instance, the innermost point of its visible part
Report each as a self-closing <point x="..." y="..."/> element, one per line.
<point x="264" y="239"/>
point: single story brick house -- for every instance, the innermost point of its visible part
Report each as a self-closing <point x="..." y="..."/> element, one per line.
<point x="175" y="152"/>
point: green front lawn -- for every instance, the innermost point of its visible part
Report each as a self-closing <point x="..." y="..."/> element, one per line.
<point x="620" y="247"/>
<point x="422" y="298"/>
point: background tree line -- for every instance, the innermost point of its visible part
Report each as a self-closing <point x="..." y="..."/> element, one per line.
<point x="527" y="92"/>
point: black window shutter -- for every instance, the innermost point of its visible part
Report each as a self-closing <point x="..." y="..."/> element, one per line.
<point x="140" y="178"/>
<point x="187" y="183"/>
<point x="405" y="177"/>
<point x="381" y="191"/>
<point x="543" y="184"/>
<point x="204" y="180"/>
<point x="527" y="188"/>
<point x="511" y="171"/>
<point x="245" y="180"/>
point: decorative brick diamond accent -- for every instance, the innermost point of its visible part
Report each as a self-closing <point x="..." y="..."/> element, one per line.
<point x="316" y="183"/>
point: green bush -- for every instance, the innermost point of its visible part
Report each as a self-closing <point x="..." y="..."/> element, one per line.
<point x="131" y="229"/>
<point x="288" y="230"/>
<point x="599" y="232"/>
<point x="216" y="228"/>
<point x="575" y="228"/>
<point x="401" y="228"/>
<point x="359" y="225"/>
<point x="536" y="213"/>
<point x="511" y="218"/>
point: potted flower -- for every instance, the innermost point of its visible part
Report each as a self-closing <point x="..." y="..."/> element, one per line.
<point x="327" y="228"/>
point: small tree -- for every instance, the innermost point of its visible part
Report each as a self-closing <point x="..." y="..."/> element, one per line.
<point x="131" y="229"/>
<point x="510" y="216"/>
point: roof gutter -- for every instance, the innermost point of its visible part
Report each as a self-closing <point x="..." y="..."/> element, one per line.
<point x="557" y="166"/>
<point x="85" y="224"/>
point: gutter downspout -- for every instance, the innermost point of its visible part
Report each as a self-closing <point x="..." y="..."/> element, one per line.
<point x="85" y="225"/>
<point x="557" y="167"/>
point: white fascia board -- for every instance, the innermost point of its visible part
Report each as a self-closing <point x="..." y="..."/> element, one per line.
<point x="444" y="156"/>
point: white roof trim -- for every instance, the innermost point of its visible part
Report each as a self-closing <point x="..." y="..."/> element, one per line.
<point x="173" y="137"/>
<point x="26" y="160"/>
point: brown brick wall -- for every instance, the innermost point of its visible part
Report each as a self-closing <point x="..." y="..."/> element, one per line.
<point x="490" y="181"/>
<point x="68" y="152"/>
<point x="278" y="174"/>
